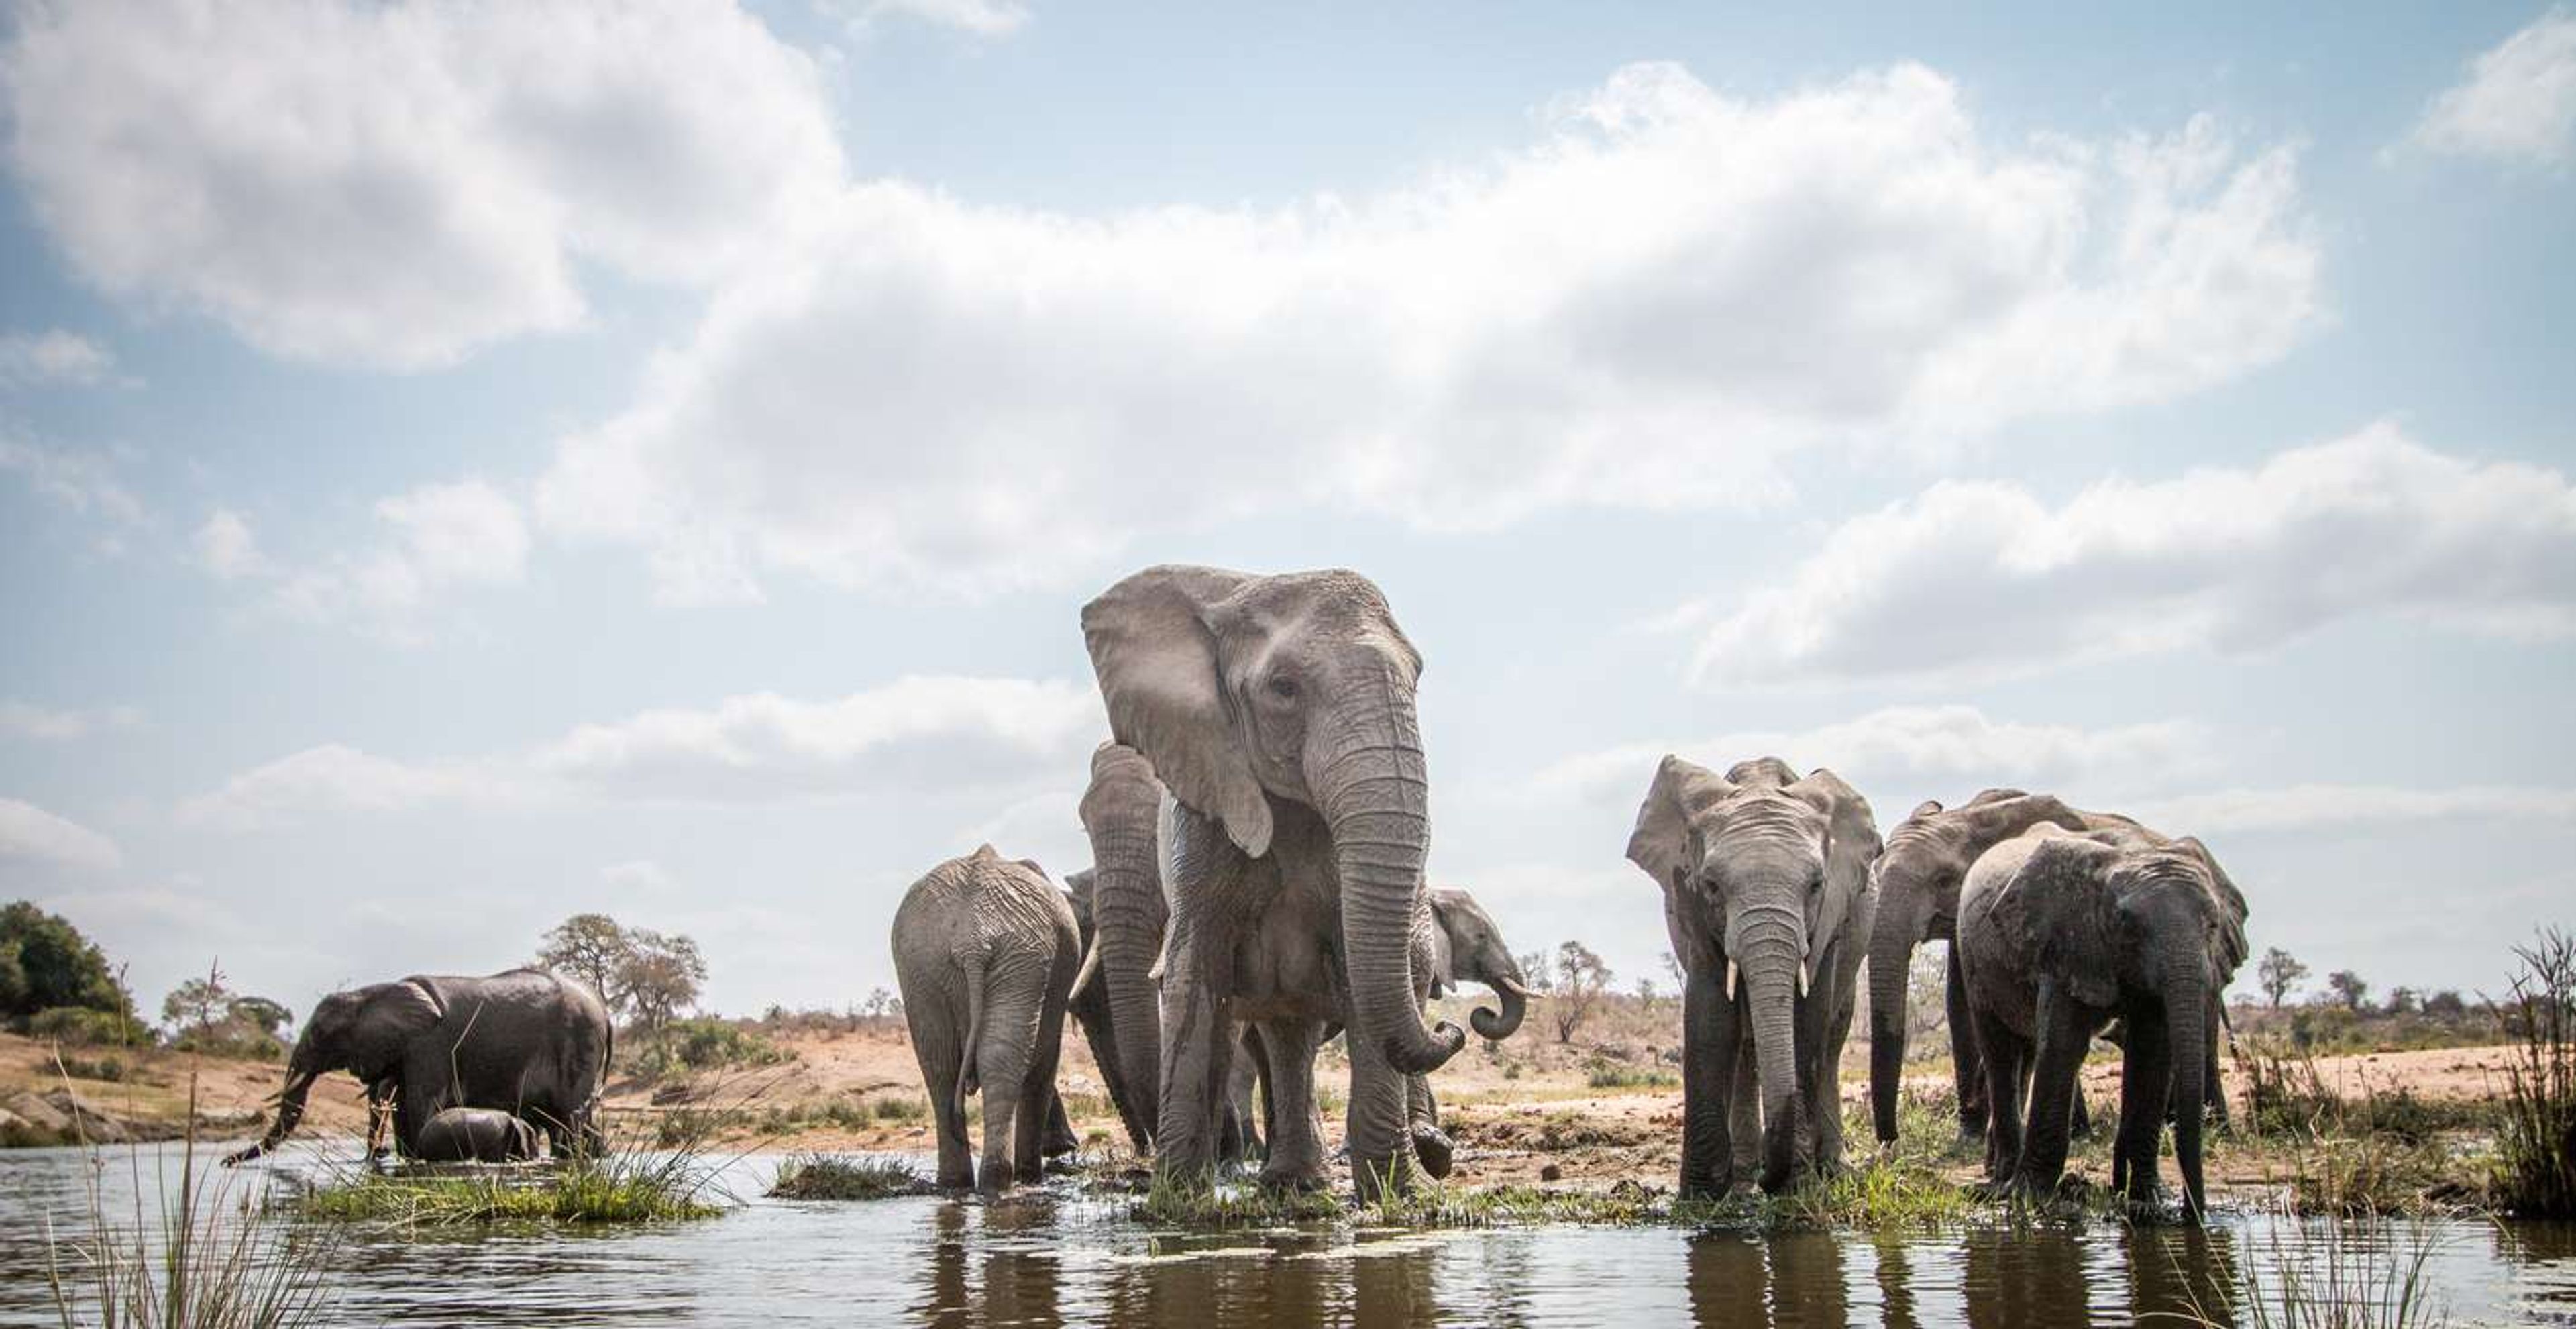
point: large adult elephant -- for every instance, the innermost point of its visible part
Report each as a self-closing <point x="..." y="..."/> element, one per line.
<point x="1279" y="713"/>
<point x="1917" y="881"/>
<point x="985" y="951"/>
<point x="1766" y="892"/>
<point x="524" y="1041"/>
<point x="2060" y="933"/>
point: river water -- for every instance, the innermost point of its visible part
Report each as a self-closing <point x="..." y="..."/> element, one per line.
<point x="1048" y="1259"/>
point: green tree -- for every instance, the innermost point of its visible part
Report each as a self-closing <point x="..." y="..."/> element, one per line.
<point x="197" y="1005"/>
<point x="2277" y="973"/>
<point x="592" y="948"/>
<point x="2347" y="988"/>
<point x="45" y="962"/>
<point x="1581" y="978"/>
<point x="270" y="1016"/>
<point x="660" y="977"/>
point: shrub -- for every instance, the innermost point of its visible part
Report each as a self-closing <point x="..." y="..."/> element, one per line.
<point x="81" y="1026"/>
<point x="899" y="1107"/>
<point x="830" y="1177"/>
<point x="705" y="1044"/>
<point x="110" y="1069"/>
<point x="2536" y="1148"/>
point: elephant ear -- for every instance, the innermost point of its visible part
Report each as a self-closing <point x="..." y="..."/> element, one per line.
<point x="2231" y="904"/>
<point x="1157" y="661"/>
<point x="2069" y="918"/>
<point x="1995" y="795"/>
<point x="1998" y="815"/>
<point x="1444" y="941"/>
<point x="1926" y="808"/>
<point x="391" y="1016"/>
<point x="1661" y="844"/>
<point x="1851" y="845"/>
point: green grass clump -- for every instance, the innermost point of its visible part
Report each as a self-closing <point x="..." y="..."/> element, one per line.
<point x="1611" y="1075"/>
<point x="1169" y="1202"/>
<point x="833" y="1177"/>
<point x="899" y="1107"/>
<point x="631" y="1187"/>
<point x="2536" y="1147"/>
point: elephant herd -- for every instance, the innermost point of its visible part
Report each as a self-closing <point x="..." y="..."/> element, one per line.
<point x="1258" y="830"/>
<point x="1258" y="827"/>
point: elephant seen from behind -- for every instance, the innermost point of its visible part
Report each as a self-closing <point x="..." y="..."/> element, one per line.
<point x="525" y="1041"/>
<point x="1765" y="875"/>
<point x="985" y="953"/>
<point x="2060" y="933"/>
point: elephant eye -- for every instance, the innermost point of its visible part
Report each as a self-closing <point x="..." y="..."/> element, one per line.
<point x="1283" y="687"/>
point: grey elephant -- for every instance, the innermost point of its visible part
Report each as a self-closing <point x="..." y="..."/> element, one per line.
<point x="1279" y="713"/>
<point x="475" y="1135"/>
<point x="1766" y="893"/>
<point x="985" y="953"/>
<point x="1917" y="884"/>
<point x="1090" y="1007"/>
<point x="1467" y="946"/>
<point x="1121" y="811"/>
<point x="2060" y="933"/>
<point x="524" y="1041"/>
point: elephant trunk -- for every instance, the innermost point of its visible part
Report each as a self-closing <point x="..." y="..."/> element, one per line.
<point x="1369" y="783"/>
<point x="1497" y="1025"/>
<point x="1130" y="914"/>
<point x="2186" y="1024"/>
<point x="1891" y="962"/>
<point x="1768" y="951"/>
<point x="290" y="1113"/>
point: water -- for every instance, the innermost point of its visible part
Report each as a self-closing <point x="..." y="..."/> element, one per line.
<point x="1049" y="1260"/>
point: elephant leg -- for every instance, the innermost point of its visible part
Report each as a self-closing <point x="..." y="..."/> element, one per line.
<point x="1013" y="1011"/>
<point x="2214" y="1092"/>
<point x="1044" y="1131"/>
<point x="2001" y="1050"/>
<point x="938" y="1047"/>
<point x="1236" y="1138"/>
<point x="1712" y="1036"/>
<point x="2080" y="1114"/>
<point x="1431" y="1146"/>
<point x="1374" y="1125"/>
<point x="2063" y="1033"/>
<point x="1198" y="1044"/>
<point x="1296" y="1154"/>
<point x="1744" y="1104"/>
<point x="1060" y="1137"/>
<point x="1967" y="1071"/>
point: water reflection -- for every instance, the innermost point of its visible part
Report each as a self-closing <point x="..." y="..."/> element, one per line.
<point x="1049" y="1260"/>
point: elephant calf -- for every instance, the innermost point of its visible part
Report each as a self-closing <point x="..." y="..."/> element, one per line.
<point x="2061" y="933"/>
<point x="475" y="1135"/>
<point x="985" y="951"/>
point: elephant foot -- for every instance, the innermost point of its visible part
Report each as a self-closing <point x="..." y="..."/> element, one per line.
<point x="1377" y="1179"/>
<point x="1294" y="1181"/>
<point x="1434" y="1149"/>
<point x="957" y="1181"/>
<point x="1994" y="1191"/>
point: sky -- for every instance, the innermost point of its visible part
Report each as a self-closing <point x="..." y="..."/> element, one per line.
<point x="464" y="466"/>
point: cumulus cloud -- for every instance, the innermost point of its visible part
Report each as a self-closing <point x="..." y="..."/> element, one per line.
<point x="29" y="834"/>
<point x="84" y="483"/>
<point x="2342" y="806"/>
<point x="1651" y="306"/>
<point x="227" y="549"/>
<point x="397" y="184"/>
<point x="982" y="18"/>
<point x="2518" y="103"/>
<point x="1951" y="750"/>
<point x="20" y="720"/>
<point x="431" y="539"/>
<point x="36" y="359"/>
<point x="920" y="734"/>
<point x="1983" y="578"/>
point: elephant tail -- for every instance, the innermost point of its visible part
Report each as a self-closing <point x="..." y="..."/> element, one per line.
<point x="969" y="1074"/>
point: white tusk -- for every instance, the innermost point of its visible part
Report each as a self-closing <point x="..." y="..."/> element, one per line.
<point x="1730" y="980"/>
<point x="1802" y="982"/>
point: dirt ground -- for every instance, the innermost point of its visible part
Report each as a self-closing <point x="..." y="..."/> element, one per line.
<point x="1524" y="1113"/>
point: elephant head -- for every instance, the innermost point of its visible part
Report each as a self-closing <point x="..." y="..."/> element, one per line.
<point x="1468" y="948"/>
<point x="2116" y="925"/>
<point x="1917" y="880"/>
<point x="1243" y="689"/>
<point x="364" y="1031"/>
<point x="1778" y="863"/>
<point x="1127" y="913"/>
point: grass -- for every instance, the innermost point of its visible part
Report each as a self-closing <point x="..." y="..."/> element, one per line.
<point x="2376" y="1152"/>
<point x="2536" y="1141"/>
<point x="1611" y="1075"/>
<point x="619" y="1188"/>
<point x="203" y="1259"/>
<point x="835" y="1177"/>
<point x="2329" y="1277"/>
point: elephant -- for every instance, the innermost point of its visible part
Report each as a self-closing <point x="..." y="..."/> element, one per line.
<point x="1090" y="1007"/>
<point x="2060" y="933"/>
<point x="1121" y="813"/>
<point x="524" y="1041"/>
<point x="1279" y="714"/>
<point x="1765" y="876"/>
<point x="985" y="954"/>
<point x="1917" y="881"/>
<point x="476" y="1135"/>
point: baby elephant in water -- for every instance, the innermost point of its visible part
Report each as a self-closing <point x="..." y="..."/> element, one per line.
<point x="476" y="1135"/>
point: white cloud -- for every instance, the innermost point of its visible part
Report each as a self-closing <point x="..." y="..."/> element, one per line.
<point x="84" y="483"/>
<point x="397" y="184"/>
<point x="2334" y="806"/>
<point x="641" y="874"/>
<point x="919" y="735"/>
<point x="2519" y="103"/>
<point x="1652" y="306"/>
<point x="1045" y="827"/>
<point x="226" y="547"/>
<point x="29" y="359"/>
<point x="1982" y="578"/>
<point x="1951" y="750"/>
<point x="433" y="539"/>
<point x="983" y="18"/>
<point x="30" y="834"/>
<point x="20" y="720"/>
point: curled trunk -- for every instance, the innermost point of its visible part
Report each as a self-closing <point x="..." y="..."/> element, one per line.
<point x="1505" y="1023"/>
<point x="1370" y="786"/>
